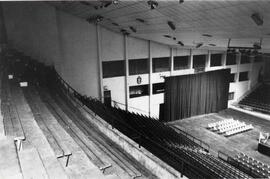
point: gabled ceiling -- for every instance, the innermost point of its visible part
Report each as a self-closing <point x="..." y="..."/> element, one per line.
<point x="211" y="22"/>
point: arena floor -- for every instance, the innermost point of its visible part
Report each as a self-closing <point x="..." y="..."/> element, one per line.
<point x="246" y="142"/>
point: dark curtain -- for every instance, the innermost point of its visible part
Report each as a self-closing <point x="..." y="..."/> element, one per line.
<point x="190" y="95"/>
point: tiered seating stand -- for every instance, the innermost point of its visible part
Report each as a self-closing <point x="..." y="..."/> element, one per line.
<point x="258" y="100"/>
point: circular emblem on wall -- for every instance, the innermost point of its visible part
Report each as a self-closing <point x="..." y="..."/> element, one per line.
<point x="139" y="80"/>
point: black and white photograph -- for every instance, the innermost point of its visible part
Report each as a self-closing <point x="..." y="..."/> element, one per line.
<point x="135" y="89"/>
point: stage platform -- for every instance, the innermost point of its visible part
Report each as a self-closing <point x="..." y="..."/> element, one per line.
<point x="246" y="142"/>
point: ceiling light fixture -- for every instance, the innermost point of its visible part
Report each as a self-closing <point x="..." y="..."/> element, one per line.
<point x="257" y="18"/>
<point x="124" y="31"/>
<point x="133" y="29"/>
<point x="140" y="20"/>
<point x="180" y="43"/>
<point x="115" y="2"/>
<point x="167" y="36"/>
<point x="171" y="25"/>
<point x="115" y="24"/>
<point x="95" y="19"/>
<point x="199" y="45"/>
<point x="153" y="4"/>
<point x="207" y="35"/>
<point x="107" y="3"/>
<point x="99" y="18"/>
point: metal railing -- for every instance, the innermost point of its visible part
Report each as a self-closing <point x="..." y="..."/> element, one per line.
<point x="182" y="161"/>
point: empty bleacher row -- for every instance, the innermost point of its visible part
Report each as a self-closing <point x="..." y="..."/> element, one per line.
<point x="259" y="99"/>
<point x="229" y="127"/>
<point x="175" y="149"/>
<point x="58" y="124"/>
<point x="108" y="153"/>
<point x="158" y="138"/>
<point x="32" y="156"/>
<point x="250" y="165"/>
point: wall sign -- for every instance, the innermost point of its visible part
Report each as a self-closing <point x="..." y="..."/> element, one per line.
<point x="139" y="80"/>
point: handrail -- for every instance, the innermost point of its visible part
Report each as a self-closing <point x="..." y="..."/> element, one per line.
<point x="194" y="138"/>
<point x="131" y="107"/>
<point x="187" y="134"/>
<point x="69" y="87"/>
<point x="140" y="135"/>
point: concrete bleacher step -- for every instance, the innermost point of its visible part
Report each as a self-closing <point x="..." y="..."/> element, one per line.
<point x="35" y="137"/>
<point x="9" y="164"/>
<point x="31" y="164"/>
<point x="120" y="162"/>
<point x="8" y="126"/>
<point x="113" y="176"/>
<point x="79" y="166"/>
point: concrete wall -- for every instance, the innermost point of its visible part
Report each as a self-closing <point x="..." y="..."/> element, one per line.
<point x="57" y="38"/>
<point x="31" y="27"/>
<point x="79" y="64"/>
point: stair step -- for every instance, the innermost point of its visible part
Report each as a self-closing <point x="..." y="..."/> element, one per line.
<point x="9" y="164"/>
<point x="31" y="164"/>
<point x="35" y="137"/>
<point x="112" y="176"/>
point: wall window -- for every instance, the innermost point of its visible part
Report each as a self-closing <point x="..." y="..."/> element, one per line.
<point x="161" y="64"/>
<point x="243" y="76"/>
<point x="231" y="59"/>
<point x="158" y="88"/>
<point x="199" y="61"/>
<point x="232" y="77"/>
<point x="215" y="60"/>
<point x="245" y="59"/>
<point x="180" y="62"/>
<point x="113" y="68"/>
<point x="137" y="91"/>
<point x="138" y="66"/>
<point x="231" y="96"/>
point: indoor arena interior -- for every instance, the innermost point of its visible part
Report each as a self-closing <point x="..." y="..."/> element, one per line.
<point x="135" y="89"/>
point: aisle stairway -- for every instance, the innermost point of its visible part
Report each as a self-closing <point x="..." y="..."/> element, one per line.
<point x="258" y="100"/>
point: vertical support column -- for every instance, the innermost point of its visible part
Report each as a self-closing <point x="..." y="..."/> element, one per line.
<point x="238" y="60"/>
<point x="190" y="59"/>
<point x="100" y="73"/>
<point x="127" y="70"/>
<point x="208" y="58"/>
<point x="250" y="72"/>
<point x="172" y="62"/>
<point x="150" y="76"/>
<point x="223" y="61"/>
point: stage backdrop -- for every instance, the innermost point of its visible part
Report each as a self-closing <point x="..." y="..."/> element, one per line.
<point x="190" y="95"/>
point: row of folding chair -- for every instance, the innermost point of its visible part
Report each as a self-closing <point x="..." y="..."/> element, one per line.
<point x="239" y="130"/>
<point x="219" y="123"/>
